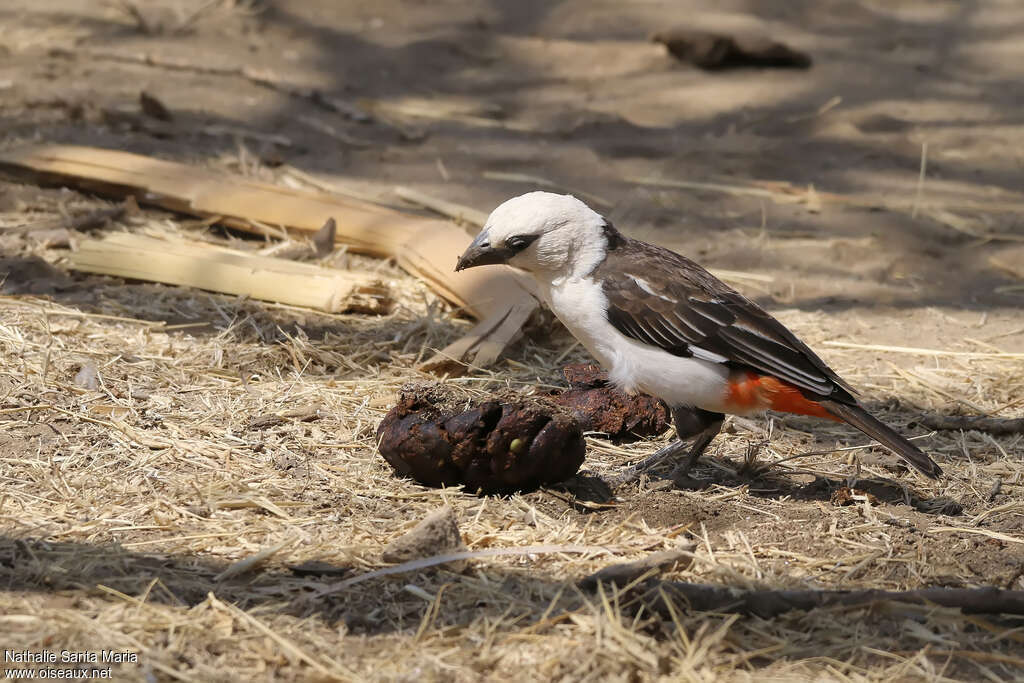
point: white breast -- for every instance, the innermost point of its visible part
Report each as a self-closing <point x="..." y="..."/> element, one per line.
<point x="633" y="366"/>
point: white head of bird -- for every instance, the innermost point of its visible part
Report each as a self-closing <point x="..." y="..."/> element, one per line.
<point x="549" y="235"/>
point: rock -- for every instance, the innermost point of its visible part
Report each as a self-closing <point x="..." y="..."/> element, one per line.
<point x="88" y="377"/>
<point x="437" y="534"/>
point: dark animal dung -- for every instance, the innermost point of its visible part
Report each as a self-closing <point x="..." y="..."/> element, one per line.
<point x="502" y="445"/>
<point x="601" y="407"/>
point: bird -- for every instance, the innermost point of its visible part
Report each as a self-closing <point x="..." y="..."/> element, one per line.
<point x="661" y="324"/>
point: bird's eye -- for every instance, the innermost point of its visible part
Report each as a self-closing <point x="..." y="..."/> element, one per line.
<point x="519" y="242"/>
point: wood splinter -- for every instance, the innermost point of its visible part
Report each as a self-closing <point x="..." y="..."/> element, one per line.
<point x="502" y="300"/>
<point x="206" y="266"/>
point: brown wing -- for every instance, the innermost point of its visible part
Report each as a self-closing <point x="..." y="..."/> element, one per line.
<point x="660" y="298"/>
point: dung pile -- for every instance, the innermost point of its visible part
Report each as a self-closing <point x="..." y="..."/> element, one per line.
<point x="510" y="443"/>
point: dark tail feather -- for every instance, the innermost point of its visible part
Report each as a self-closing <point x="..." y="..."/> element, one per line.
<point x="885" y="435"/>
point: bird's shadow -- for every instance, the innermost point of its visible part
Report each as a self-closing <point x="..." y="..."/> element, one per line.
<point x="766" y="481"/>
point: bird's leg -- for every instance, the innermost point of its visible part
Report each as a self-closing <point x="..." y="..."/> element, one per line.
<point x="689" y="422"/>
<point x="704" y="425"/>
<point x="633" y="472"/>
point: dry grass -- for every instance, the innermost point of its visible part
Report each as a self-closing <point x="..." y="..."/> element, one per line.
<point x="155" y="503"/>
<point x="226" y="440"/>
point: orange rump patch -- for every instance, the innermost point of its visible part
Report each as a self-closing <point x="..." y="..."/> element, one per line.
<point x="749" y="392"/>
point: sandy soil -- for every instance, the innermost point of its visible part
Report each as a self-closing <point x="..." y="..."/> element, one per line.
<point x="122" y="506"/>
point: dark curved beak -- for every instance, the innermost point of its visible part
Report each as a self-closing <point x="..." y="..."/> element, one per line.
<point x="481" y="253"/>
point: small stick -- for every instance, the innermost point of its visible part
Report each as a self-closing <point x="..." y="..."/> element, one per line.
<point x="424" y="563"/>
<point x="991" y="425"/>
<point x="247" y="564"/>
<point x="1005" y="538"/>
<point x="771" y="603"/>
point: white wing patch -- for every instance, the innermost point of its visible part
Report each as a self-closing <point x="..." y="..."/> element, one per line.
<point x="644" y="285"/>
<point x="704" y="354"/>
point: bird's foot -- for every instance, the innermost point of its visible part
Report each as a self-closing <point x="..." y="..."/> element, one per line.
<point x="701" y="425"/>
<point x="634" y="472"/>
<point x="680" y="476"/>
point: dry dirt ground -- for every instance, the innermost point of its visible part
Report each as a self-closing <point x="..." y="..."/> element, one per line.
<point x="124" y="503"/>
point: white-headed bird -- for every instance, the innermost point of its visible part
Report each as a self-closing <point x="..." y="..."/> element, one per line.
<point x="661" y="324"/>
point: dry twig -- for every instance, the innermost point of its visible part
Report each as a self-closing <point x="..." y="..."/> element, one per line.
<point x="771" y="603"/>
<point x="993" y="425"/>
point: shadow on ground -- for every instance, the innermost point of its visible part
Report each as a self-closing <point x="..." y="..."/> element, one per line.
<point x="901" y="77"/>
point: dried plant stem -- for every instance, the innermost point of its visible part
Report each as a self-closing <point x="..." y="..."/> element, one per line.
<point x="772" y="603"/>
